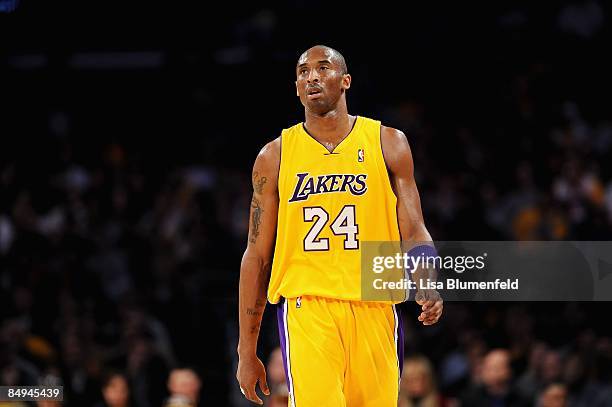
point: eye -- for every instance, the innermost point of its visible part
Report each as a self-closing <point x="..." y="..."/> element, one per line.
<point x="324" y="68"/>
<point x="302" y="71"/>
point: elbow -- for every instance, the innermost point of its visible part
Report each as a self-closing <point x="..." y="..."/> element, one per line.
<point x="261" y="262"/>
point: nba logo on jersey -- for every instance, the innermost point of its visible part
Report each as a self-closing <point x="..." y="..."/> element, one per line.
<point x="298" y="302"/>
<point x="360" y="155"/>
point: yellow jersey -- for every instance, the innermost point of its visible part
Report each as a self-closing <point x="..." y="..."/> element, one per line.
<point x="329" y="203"/>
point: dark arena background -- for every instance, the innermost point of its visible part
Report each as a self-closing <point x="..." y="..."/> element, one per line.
<point x="128" y="132"/>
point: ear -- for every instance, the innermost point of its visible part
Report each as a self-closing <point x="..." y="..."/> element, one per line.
<point x="346" y="81"/>
<point x="297" y="92"/>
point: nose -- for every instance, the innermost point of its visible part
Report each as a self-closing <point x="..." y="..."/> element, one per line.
<point x="313" y="76"/>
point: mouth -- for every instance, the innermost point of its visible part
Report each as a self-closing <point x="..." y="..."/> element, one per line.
<point x="313" y="93"/>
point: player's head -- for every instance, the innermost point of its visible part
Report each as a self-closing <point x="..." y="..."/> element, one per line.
<point x="322" y="79"/>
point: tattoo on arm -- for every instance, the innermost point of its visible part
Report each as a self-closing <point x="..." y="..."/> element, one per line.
<point x="259" y="182"/>
<point x="255" y="219"/>
<point x="253" y="311"/>
<point x="256" y="312"/>
<point x="260" y="304"/>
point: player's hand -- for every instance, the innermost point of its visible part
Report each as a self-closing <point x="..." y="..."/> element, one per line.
<point x="431" y="305"/>
<point x="250" y="371"/>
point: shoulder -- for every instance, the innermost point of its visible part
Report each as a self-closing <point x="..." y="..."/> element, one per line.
<point x="392" y="137"/>
<point x="395" y="148"/>
<point x="268" y="160"/>
<point x="271" y="150"/>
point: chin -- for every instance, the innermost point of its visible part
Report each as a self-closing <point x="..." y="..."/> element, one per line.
<point x="318" y="107"/>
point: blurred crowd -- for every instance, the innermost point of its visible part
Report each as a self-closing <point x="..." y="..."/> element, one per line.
<point x="119" y="257"/>
<point x="544" y="355"/>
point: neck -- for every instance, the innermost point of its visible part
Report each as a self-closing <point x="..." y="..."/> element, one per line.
<point x="330" y="126"/>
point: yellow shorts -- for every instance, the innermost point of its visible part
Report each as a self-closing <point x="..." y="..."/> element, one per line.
<point x="340" y="353"/>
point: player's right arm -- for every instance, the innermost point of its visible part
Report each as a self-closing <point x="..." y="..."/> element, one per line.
<point x="255" y="269"/>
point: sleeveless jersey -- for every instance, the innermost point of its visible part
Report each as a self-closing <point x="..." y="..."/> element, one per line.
<point x="328" y="204"/>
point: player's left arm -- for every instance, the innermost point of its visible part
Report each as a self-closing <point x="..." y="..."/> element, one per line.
<point x="400" y="165"/>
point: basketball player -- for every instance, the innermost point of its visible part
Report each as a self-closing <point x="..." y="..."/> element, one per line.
<point x="318" y="190"/>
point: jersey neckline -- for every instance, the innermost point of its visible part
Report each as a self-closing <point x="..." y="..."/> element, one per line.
<point x="341" y="144"/>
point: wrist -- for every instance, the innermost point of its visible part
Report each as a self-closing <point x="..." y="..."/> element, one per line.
<point x="421" y="257"/>
<point x="247" y="350"/>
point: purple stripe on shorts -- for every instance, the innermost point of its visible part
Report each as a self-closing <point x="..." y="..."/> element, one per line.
<point x="400" y="338"/>
<point x="280" y="315"/>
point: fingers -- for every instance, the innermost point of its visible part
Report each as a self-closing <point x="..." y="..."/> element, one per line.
<point x="250" y="394"/>
<point x="427" y="309"/>
<point x="432" y="310"/>
<point x="263" y="385"/>
<point x="249" y="372"/>
<point x="249" y="390"/>
<point x="426" y="305"/>
<point x="431" y="320"/>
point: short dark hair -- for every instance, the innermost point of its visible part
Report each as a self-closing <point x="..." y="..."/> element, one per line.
<point x="336" y="54"/>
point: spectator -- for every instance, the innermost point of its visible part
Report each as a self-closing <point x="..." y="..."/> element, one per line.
<point x="115" y="391"/>
<point x="178" y="401"/>
<point x="553" y="395"/>
<point x="279" y="392"/>
<point x="276" y="373"/>
<point x="184" y="386"/>
<point x="277" y="400"/>
<point x="529" y="382"/>
<point x="496" y="384"/>
<point x="417" y="385"/>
